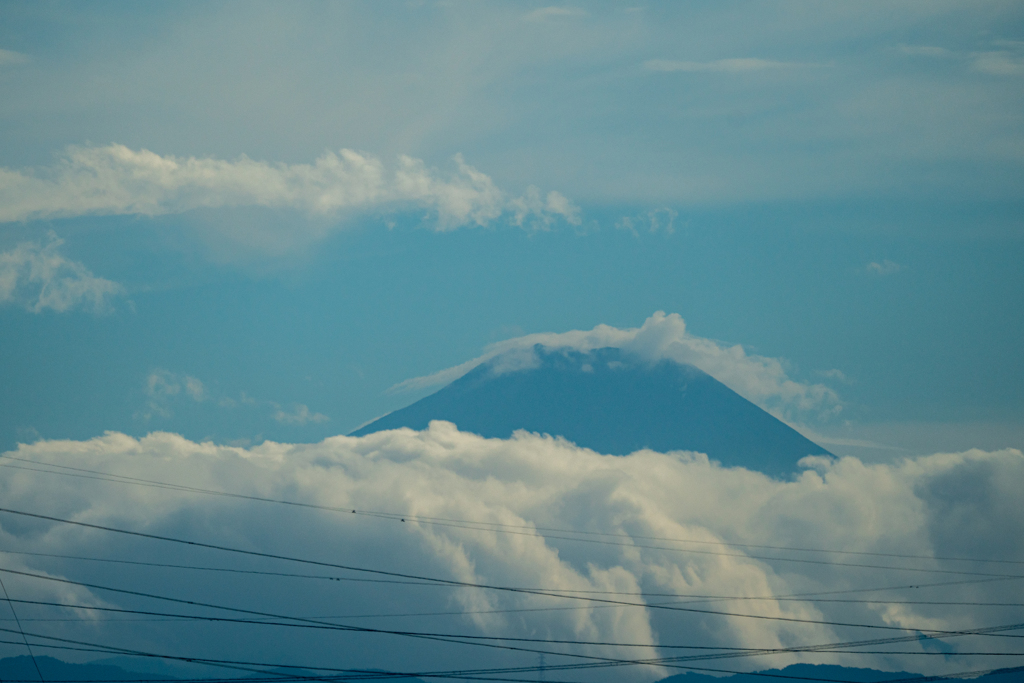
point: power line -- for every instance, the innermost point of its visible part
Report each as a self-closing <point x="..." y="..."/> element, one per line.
<point x="473" y="637"/>
<point x="463" y="674"/>
<point x="498" y="611"/>
<point x="672" y="662"/>
<point x="667" y="661"/>
<point x="701" y="552"/>
<point x="444" y="582"/>
<point x="319" y="624"/>
<point x="230" y="570"/>
<point x="28" y="647"/>
<point x="455" y="638"/>
<point x="696" y="598"/>
<point x="449" y="582"/>
<point x="495" y="526"/>
<point x="718" y="651"/>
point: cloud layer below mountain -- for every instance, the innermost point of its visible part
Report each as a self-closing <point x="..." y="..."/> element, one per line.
<point x="532" y="512"/>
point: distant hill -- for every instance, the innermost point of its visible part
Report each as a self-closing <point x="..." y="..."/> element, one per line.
<point x="614" y="404"/>
<point x="830" y="672"/>
<point x="21" y="669"/>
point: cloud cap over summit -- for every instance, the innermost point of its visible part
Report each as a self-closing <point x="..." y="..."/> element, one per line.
<point x="613" y="402"/>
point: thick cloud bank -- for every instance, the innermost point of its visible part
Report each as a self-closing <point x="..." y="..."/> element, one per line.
<point x="114" y="179"/>
<point x="759" y="379"/>
<point x="651" y="536"/>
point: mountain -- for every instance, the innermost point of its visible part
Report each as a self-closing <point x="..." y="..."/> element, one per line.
<point x="612" y="403"/>
<point x="830" y="672"/>
<point x="21" y="668"/>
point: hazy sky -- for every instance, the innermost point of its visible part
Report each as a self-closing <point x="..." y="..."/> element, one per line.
<point x="219" y="214"/>
<point x="231" y="231"/>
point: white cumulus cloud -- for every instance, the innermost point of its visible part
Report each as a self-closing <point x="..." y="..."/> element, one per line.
<point x="114" y="179"/>
<point x="669" y="542"/>
<point x="36" y="276"/>
<point x="759" y="379"/>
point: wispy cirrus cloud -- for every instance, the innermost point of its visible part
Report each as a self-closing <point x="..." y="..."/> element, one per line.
<point x="924" y="50"/>
<point x="299" y="416"/>
<point x="9" y="57"/>
<point x="999" y="63"/>
<point x="734" y="65"/>
<point x="37" y="277"/>
<point x="653" y="221"/>
<point x="546" y="13"/>
<point x="163" y="386"/>
<point x="168" y="391"/>
<point x="113" y="179"/>
<point x="884" y="267"/>
<point x="1007" y="59"/>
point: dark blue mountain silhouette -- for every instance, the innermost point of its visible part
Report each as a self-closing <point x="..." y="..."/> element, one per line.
<point x="830" y="672"/>
<point x="614" y="404"/>
<point x="22" y="668"/>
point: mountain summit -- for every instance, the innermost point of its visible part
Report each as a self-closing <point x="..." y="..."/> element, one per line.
<point x="611" y="402"/>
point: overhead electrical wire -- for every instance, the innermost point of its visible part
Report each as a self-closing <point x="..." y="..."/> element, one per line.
<point x="694" y="598"/>
<point x="604" y="662"/>
<point x="357" y="674"/>
<point x="448" y="582"/>
<point x="706" y="552"/>
<point x="331" y="627"/>
<point x="485" y="526"/>
<point x="452" y="613"/>
<point x="661" y="661"/>
<point x="671" y="662"/>
<point x="823" y="622"/>
<point x="481" y="526"/>
<point x="913" y="653"/>
<point x="17" y="621"/>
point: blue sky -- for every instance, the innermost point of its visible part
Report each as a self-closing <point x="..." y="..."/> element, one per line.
<point x="834" y="185"/>
<point x="232" y="231"/>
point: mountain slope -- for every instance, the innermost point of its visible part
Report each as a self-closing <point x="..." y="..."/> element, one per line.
<point x="830" y="672"/>
<point x="613" y="404"/>
<point x="22" y="668"/>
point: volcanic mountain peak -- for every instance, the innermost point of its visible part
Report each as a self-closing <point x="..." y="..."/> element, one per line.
<point x="611" y="402"/>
